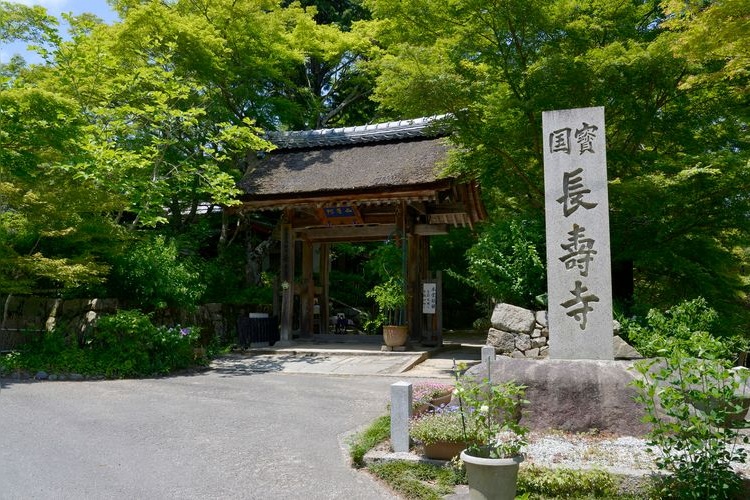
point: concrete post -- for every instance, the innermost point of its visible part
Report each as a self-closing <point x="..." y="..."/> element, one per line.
<point x="488" y="352"/>
<point x="401" y="400"/>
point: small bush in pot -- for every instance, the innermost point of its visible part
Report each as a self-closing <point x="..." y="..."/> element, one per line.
<point x="493" y="411"/>
<point x="491" y="414"/>
<point x="391" y="300"/>
<point x="442" y="432"/>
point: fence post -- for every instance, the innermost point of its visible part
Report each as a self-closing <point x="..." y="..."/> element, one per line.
<point x="401" y="399"/>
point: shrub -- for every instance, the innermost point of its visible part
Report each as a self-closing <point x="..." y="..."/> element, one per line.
<point x="490" y="415"/>
<point x="691" y="404"/>
<point x="507" y="264"/>
<point x="566" y="483"/>
<point x="126" y="344"/>
<point x="52" y="352"/>
<point x="688" y="326"/>
<point x="151" y="276"/>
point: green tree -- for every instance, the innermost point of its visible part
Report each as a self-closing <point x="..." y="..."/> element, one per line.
<point x="154" y="117"/>
<point x="49" y="239"/>
<point x="154" y="276"/>
<point x="677" y="150"/>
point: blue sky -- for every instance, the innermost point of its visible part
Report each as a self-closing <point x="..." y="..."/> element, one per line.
<point x="56" y="7"/>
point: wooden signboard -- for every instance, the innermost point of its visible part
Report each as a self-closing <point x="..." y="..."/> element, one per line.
<point x="341" y="215"/>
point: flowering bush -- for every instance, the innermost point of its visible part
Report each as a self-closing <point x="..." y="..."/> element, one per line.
<point x="444" y="424"/>
<point x="490" y="415"/>
<point x="128" y="344"/>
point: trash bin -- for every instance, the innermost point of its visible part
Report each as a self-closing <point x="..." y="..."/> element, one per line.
<point x="257" y="330"/>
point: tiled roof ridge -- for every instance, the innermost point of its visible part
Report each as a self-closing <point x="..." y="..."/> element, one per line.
<point x="376" y="132"/>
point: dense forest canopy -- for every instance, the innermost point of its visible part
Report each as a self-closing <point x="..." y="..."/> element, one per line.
<point x="126" y="130"/>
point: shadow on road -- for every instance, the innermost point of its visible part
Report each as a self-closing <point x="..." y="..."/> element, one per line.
<point x="236" y="365"/>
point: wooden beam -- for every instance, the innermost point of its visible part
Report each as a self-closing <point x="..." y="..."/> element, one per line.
<point x="305" y="220"/>
<point x="449" y="208"/>
<point x="332" y="198"/>
<point x="347" y="233"/>
<point x="430" y="229"/>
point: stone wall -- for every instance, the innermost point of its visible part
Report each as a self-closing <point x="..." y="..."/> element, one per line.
<point x="29" y="317"/>
<point x="26" y="318"/>
<point x="520" y="333"/>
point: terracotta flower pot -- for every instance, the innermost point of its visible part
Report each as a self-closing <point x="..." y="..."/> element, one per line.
<point x="441" y="400"/>
<point x="491" y="478"/>
<point x="395" y="336"/>
<point x="444" y="450"/>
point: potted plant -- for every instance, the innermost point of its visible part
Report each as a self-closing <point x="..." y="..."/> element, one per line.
<point x="391" y="299"/>
<point x="428" y="396"/>
<point x="491" y="414"/>
<point x="441" y="432"/>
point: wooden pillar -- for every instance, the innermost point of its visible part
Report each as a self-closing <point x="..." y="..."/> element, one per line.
<point x="438" y="319"/>
<point x="413" y="275"/>
<point x="325" y="272"/>
<point x="414" y="280"/>
<point x="307" y="292"/>
<point x="423" y="273"/>
<point x="287" y="279"/>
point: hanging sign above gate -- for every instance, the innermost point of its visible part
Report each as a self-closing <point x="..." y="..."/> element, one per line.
<point x="340" y="215"/>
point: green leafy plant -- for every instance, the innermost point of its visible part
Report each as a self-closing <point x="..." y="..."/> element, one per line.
<point x="566" y="483"/>
<point x="491" y="413"/>
<point x="391" y="299"/>
<point x="506" y="263"/>
<point x="153" y="276"/>
<point x="52" y="352"/>
<point x="688" y="326"/>
<point x="127" y="344"/>
<point x="693" y="405"/>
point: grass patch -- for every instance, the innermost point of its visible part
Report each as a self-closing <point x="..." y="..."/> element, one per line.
<point x="377" y="432"/>
<point x="423" y="481"/>
<point x="416" y="480"/>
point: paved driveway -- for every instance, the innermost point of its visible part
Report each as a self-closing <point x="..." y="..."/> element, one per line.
<point x="221" y="434"/>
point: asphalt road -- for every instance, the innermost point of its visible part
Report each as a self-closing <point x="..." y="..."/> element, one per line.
<point x="214" y="435"/>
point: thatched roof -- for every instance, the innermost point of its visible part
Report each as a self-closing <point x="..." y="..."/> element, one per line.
<point x="373" y="173"/>
<point x="359" y="167"/>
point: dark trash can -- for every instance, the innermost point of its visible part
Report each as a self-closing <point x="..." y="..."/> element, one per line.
<point x="257" y="331"/>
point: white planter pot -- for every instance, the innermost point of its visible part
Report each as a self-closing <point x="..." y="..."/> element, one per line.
<point x="491" y="478"/>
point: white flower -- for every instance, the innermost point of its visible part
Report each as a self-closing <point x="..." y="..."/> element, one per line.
<point x="484" y="409"/>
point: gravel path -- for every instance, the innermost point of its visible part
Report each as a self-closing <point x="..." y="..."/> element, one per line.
<point x="620" y="455"/>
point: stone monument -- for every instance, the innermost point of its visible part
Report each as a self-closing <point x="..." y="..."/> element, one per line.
<point x="579" y="278"/>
